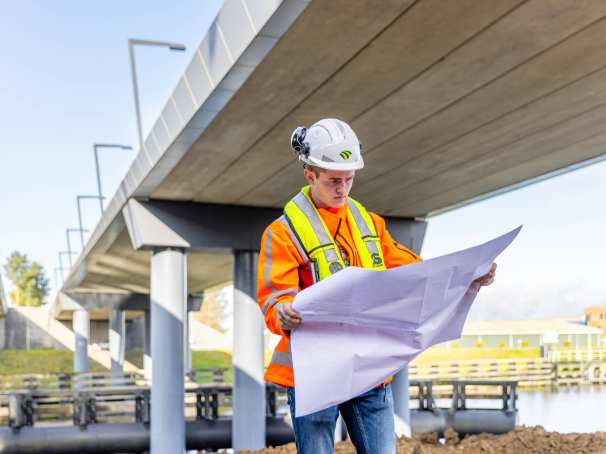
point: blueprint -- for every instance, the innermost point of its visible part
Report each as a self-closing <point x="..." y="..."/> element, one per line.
<point x="360" y="326"/>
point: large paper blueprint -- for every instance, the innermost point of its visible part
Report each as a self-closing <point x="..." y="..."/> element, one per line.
<point x="360" y="326"/>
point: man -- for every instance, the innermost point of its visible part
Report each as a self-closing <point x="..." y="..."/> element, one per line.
<point x="322" y="231"/>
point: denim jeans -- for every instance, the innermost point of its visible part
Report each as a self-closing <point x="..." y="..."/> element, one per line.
<point x="368" y="417"/>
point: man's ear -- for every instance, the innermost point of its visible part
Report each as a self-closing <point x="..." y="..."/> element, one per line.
<point x="309" y="176"/>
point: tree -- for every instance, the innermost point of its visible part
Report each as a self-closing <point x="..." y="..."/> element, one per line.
<point x="29" y="280"/>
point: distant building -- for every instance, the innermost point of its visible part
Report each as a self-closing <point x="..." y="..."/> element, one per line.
<point x="596" y="317"/>
<point x="555" y="333"/>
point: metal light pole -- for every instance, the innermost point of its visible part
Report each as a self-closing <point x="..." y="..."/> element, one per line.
<point x="69" y="244"/>
<point x="96" y="146"/>
<point x="61" y="254"/>
<point x="133" y="72"/>
<point x="78" y="199"/>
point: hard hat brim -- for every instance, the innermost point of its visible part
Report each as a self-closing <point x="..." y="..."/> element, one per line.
<point x="334" y="165"/>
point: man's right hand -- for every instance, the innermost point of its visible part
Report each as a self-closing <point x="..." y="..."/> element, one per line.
<point x="288" y="318"/>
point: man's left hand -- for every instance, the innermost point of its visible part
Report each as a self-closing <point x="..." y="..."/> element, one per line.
<point x="488" y="278"/>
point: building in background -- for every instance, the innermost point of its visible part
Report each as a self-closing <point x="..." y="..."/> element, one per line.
<point x="596" y="317"/>
<point x="554" y="333"/>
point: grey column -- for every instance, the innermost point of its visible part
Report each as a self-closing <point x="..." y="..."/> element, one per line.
<point x="248" y="423"/>
<point x="147" y="359"/>
<point x="117" y="340"/>
<point x="401" y="397"/>
<point x="410" y="233"/>
<point x="168" y="306"/>
<point x="81" y="327"/>
<point x="186" y="344"/>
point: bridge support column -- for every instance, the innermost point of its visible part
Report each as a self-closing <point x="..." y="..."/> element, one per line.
<point x="117" y="340"/>
<point x="168" y="306"/>
<point x="147" y="359"/>
<point x="186" y="345"/>
<point x="81" y="327"/>
<point x="248" y="423"/>
<point x="410" y="233"/>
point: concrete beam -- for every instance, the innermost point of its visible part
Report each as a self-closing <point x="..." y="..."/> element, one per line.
<point x="195" y="226"/>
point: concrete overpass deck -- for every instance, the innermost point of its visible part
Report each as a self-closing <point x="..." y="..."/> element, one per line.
<point x="452" y="101"/>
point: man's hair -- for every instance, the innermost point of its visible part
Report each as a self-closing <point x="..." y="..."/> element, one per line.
<point x="314" y="169"/>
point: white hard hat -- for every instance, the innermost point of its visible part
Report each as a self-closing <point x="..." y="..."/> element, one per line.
<point x="329" y="144"/>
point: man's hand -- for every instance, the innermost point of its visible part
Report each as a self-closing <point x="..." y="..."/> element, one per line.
<point x="488" y="278"/>
<point x="288" y="317"/>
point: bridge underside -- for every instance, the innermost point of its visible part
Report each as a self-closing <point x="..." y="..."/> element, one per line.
<point x="452" y="101"/>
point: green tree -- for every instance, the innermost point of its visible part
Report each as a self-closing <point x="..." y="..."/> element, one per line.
<point x="29" y="280"/>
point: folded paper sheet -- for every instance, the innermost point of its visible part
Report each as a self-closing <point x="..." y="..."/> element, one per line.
<point x="361" y="326"/>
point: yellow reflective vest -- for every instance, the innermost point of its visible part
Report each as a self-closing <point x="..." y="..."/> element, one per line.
<point x="319" y="245"/>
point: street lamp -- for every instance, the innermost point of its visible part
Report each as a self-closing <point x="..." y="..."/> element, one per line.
<point x="69" y="244"/>
<point x="133" y="72"/>
<point x="96" y="146"/>
<point x="78" y="199"/>
<point x="58" y="268"/>
<point x="61" y="254"/>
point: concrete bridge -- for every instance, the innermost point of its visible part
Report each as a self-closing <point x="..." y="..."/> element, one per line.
<point x="453" y="101"/>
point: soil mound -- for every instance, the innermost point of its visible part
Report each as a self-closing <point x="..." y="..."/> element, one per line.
<point x="532" y="440"/>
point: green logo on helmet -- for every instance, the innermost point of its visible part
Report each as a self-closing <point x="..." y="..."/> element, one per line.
<point x="345" y="154"/>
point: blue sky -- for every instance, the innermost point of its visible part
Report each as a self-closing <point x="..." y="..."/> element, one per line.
<point x="65" y="83"/>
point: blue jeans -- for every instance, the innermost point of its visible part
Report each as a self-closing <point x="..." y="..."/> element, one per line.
<point x="368" y="417"/>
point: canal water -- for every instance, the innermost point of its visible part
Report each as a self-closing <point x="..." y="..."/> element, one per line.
<point x="564" y="409"/>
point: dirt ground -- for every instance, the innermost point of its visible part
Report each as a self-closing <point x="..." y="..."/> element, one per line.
<point x="532" y="440"/>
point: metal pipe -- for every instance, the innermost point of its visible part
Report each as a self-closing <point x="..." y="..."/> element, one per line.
<point x="133" y="437"/>
<point x="249" y="387"/>
<point x="168" y="291"/>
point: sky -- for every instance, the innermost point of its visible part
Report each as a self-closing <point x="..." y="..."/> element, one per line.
<point x="65" y="84"/>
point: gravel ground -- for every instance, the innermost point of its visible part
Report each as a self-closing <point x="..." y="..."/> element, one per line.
<point x="533" y="440"/>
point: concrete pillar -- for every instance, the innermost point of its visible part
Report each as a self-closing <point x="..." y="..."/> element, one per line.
<point x="168" y="306"/>
<point x="117" y="341"/>
<point x="248" y="423"/>
<point x="81" y="327"/>
<point x="410" y="233"/>
<point x="147" y="359"/>
<point x="186" y="344"/>
<point x="400" y="388"/>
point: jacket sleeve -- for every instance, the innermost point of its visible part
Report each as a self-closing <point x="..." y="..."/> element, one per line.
<point x="394" y="253"/>
<point x="277" y="273"/>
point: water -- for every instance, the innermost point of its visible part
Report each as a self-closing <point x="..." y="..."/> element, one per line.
<point x="564" y="410"/>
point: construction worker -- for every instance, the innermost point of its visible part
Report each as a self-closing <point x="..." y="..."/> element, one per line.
<point x="322" y="231"/>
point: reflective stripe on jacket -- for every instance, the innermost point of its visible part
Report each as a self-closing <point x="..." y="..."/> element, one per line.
<point x="285" y="266"/>
<point x="320" y="247"/>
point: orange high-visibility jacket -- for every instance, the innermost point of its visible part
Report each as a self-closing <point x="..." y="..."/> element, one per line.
<point x="283" y="271"/>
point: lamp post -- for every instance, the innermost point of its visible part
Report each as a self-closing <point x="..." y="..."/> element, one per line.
<point x="69" y="244"/>
<point x="96" y="147"/>
<point x="61" y="254"/>
<point x="133" y="72"/>
<point x="78" y="199"/>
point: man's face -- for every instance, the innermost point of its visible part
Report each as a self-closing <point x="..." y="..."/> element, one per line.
<point x="330" y="188"/>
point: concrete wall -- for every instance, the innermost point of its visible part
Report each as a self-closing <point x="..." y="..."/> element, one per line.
<point x="17" y="332"/>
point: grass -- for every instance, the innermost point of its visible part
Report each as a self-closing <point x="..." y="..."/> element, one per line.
<point x="40" y="361"/>
<point x="435" y="354"/>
